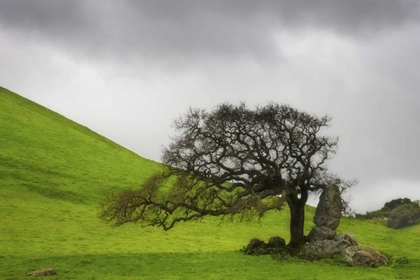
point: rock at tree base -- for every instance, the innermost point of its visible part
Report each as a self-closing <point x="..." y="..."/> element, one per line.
<point x="347" y="238"/>
<point x="328" y="211"/>
<point x="259" y="247"/>
<point x="327" y="216"/>
<point x="255" y="244"/>
<point x="332" y="246"/>
<point x="321" y="233"/>
<point x="276" y="241"/>
<point x="42" y="272"/>
<point x="346" y="245"/>
<point x="364" y="256"/>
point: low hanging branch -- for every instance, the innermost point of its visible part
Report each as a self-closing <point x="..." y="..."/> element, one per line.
<point x="187" y="199"/>
<point x="229" y="162"/>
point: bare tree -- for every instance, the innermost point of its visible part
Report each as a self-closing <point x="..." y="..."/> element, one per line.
<point x="233" y="161"/>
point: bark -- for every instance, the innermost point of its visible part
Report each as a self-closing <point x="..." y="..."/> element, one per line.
<point x="297" y="218"/>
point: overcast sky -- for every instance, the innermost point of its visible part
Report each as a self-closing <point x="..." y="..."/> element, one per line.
<point x="126" y="69"/>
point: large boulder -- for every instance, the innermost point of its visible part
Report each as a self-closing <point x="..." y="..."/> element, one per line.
<point x="346" y="245"/>
<point x="327" y="216"/>
<point x="331" y="246"/>
<point x="328" y="211"/>
<point x="320" y="249"/>
<point x="364" y="256"/>
<point x="321" y="233"/>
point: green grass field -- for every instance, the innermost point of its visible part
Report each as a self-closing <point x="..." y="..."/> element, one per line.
<point x="53" y="172"/>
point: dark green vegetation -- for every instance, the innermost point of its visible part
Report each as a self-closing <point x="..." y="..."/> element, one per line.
<point x="53" y="173"/>
<point x="397" y="213"/>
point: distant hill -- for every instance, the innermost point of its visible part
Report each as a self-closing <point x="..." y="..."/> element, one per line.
<point x="397" y="213"/>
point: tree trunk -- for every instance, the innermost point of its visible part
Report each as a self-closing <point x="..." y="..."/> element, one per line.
<point x="297" y="218"/>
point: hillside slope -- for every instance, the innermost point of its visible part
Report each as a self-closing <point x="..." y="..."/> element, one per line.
<point x="48" y="154"/>
<point x="53" y="172"/>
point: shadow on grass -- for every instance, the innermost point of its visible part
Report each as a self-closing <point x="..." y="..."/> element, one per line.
<point x="206" y="265"/>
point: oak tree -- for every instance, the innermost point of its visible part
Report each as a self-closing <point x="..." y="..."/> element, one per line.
<point x="234" y="162"/>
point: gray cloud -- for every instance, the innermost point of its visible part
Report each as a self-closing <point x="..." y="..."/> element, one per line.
<point x="195" y="28"/>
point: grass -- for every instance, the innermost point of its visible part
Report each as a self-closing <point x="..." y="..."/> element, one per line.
<point x="413" y="229"/>
<point x="53" y="173"/>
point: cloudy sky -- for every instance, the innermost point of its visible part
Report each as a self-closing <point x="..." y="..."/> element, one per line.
<point x="126" y="69"/>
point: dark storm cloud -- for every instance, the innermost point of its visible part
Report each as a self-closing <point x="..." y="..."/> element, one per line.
<point x="188" y="28"/>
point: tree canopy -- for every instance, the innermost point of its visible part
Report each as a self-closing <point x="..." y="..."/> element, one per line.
<point x="233" y="161"/>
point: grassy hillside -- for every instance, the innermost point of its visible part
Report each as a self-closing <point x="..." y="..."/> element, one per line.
<point x="413" y="229"/>
<point x="52" y="174"/>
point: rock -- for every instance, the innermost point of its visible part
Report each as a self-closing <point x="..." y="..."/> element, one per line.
<point x="364" y="256"/>
<point x="259" y="247"/>
<point x="255" y="244"/>
<point x="320" y="234"/>
<point x="333" y="246"/>
<point x="42" y="272"/>
<point x="346" y="245"/>
<point x="328" y="212"/>
<point x="327" y="215"/>
<point x="320" y="248"/>
<point x="276" y="241"/>
<point x="347" y="238"/>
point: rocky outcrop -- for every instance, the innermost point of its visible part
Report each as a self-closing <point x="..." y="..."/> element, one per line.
<point x="328" y="211"/>
<point x="321" y="233"/>
<point x="332" y="246"/>
<point x="323" y="241"/>
<point x="364" y="256"/>
<point x="327" y="216"/>
<point x="347" y="246"/>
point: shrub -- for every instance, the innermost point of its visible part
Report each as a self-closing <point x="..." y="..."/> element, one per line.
<point x="404" y="215"/>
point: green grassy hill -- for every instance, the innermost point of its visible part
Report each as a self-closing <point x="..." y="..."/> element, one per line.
<point x="53" y="172"/>
<point x="413" y="229"/>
